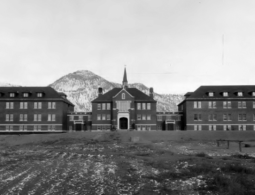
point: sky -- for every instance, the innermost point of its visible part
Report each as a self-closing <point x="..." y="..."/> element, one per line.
<point x="174" y="46"/>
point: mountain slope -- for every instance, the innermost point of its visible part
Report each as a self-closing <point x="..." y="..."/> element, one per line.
<point x="81" y="87"/>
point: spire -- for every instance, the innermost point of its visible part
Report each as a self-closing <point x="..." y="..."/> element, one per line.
<point x="125" y="82"/>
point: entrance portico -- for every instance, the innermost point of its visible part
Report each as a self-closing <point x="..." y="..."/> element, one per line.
<point x="123" y="121"/>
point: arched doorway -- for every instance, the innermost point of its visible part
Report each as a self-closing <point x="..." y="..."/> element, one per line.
<point x="123" y="123"/>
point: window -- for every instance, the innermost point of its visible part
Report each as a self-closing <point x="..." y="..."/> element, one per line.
<point x="11" y="117"/>
<point x="253" y="104"/>
<point x="197" y="117"/>
<point x="199" y="127"/>
<point x="25" y="94"/>
<point x="242" y="127"/>
<point x="103" y="106"/>
<point x="98" y="127"/>
<point x="39" y="105"/>
<point x="138" y="127"/>
<point x="159" y="118"/>
<point x="39" y="117"/>
<point x="51" y="105"/>
<point x="210" y="94"/>
<point x="9" y="105"/>
<point x="108" y="117"/>
<point x="108" y="106"/>
<point x="239" y="94"/>
<point x="138" y="106"/>
<point x="253" y="117"/>
<point x="148" y="117"/>
<point x="226" y="117"/>
<point x="98" y="106"/>
<point x="35" y="117"/>
<point x="242" y="104"/>
<point x="144" y="106"/>
<point x="225" y="94"/>
<point x="123" y="96"/>
<point x="7" y="117"/>
<point x="214" y="127"/>
<point x="99" y="117"/>
<point x="210" y="127"/>
<point x="148" y="106"/>
<point x="195" y="127"/>
<point x="35" y="105"/>
<point x="148" y="128"/>
<point x="226" y="104"/>
<point x="143" y="128"/>
<point x="71" y="118"/>
<point x="212" y="104"/>
<point x="143" y="117"/>
<point x="253" y="93"/>
<point x="212" y="117"/>
<point x="25" y="117"/>
<point x="242" y="117"/>
<point x="80" y="118"/>
<point x="197" y="105"/>
<point x="12" y="94"/>
<point x="138" y="117"/>
<point x="89" y="117"/>
<point x="103" y="117"/>
<point x="39" y="94"/>
<point x="51" y="117"/>
<point x="21" y="117"/>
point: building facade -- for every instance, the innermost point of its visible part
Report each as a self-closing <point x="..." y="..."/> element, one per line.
<point x="223" y="108"/>
<point x="124" y="108"/>
<point x="35" y="109"/>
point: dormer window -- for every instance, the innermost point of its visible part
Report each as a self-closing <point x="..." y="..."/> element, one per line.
<point x="12" y="94"/>
<point x="253" y="93"/>
<point x="123" y="96"/>
<point x="225" y="94"/>
<point x="25" y="94"/>
<point x="210" y="94"/>
<point x="239" y="94"/>
<point x="39" y="94"/>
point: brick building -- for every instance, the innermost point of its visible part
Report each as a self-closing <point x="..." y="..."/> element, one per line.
<point x="222" y="108"/>
<point x="36" y="109"/>
<point x="124" y="108"/>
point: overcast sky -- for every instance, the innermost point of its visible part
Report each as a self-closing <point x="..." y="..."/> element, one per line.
<point x="172" y="45"/>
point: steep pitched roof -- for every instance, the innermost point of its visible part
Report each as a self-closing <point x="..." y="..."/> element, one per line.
<point x="202" y="91"/>
<point x="139" y="96"/>
<point x="47" y="91"/>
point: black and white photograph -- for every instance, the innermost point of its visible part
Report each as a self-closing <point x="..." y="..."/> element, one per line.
<point x="127" y="97"/>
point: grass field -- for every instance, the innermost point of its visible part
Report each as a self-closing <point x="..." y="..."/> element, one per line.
<point x="126" y="163"/>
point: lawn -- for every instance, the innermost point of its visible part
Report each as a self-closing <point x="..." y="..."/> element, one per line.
<point x="125" y="163"/>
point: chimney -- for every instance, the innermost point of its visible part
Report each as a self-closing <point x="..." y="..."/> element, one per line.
<point x="151" y="92"/>
<point x="100" y="91"/>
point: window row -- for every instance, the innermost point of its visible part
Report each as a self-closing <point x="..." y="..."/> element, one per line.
<point x="103" y="117"/>
<point x="143" y="106"/>
<point x="143" y="117"/>
<point x="103" y="127"/>
<point x="25" y="94"/>
<point x="226" y="117"/>
<point x="226" y="94"/>
<point x="36" y="105"/>
<point x="79" y="118"/>
<point x="226" y="104"/>
<point x="143" y="128"/>
<point x="34" y="127"/>
<point x="104" y="106"/>
<point x="24" y="117"/>
<point x="222" y="127"/>
<point x="169" y="118"/>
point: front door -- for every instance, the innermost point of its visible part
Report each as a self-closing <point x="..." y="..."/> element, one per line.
<point x="169" y="126"/>
<point x="78" y="127"/>
<point x="123" y="123"/>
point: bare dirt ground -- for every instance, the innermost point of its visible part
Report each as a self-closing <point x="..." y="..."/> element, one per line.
<point x="107" y="164"/>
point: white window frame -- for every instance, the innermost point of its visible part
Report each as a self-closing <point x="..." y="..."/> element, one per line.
<point x="159" y="118"/>
<point x="108" y="117"/>
<point x="103" y="106"/>
<point x="24" y="117"/>
<point x="148" y="117"/>
<point x="210" y="94"/>
<point x="25" y="94"/>
<point x="225" y="94"/>
<point x="39" y="94"/>
<point x="139" y="117"/>
<point x="21" y="117"/>
<point x="103" y="117"/>
<point x="12" y="94"/>
<point x="99" y="117"/>
<point x="108" y="106"/>
<point x="143" y="116"/>
<point x="148" y="106"/>
<point x="138" y="106"/>
<point x="99" y="106"/>
<point x="143" y="106"/>
<point x="35" y="117"/>
<point x="240" y="94"/>
<point x="123" y="96"/>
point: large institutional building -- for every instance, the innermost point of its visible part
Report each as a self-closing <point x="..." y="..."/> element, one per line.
<point x="224" y="108"/>
<point x="33" y="109"/>
<point x="42" y="109"/>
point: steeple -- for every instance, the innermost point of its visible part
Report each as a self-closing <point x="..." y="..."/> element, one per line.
<point x="125" y="82"/>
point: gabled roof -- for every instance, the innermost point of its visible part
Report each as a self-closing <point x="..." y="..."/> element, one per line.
<point x="137" y="94"/>
<point x="48" y="92"/>
<point x="202" y="91"/>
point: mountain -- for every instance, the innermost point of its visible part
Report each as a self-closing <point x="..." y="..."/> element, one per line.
<point x="81" y="88"/>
